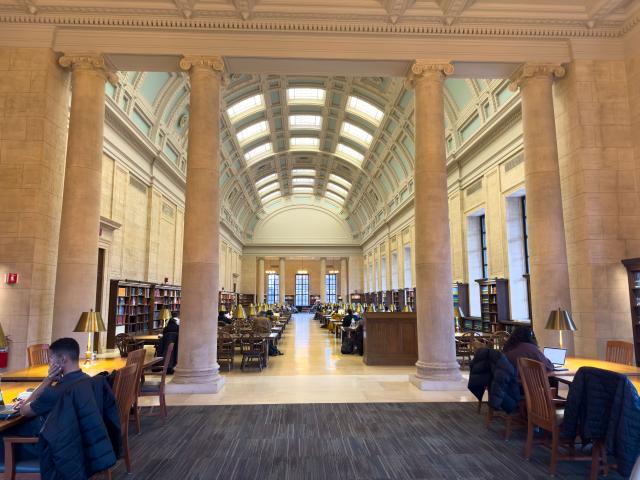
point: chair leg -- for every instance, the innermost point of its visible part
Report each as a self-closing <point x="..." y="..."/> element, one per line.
<point x="529" y="444"/>
<point x="136" y="416"/>
<point x="507" y="433"/>
<point x="163" y="408"/>
<point x="125" y="447"/>
<point x="554" y="453"/>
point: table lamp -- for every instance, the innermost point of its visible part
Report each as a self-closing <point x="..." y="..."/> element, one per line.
<point x="239" y="314"/>
<point x="392" y="307"/>
<point x="560" y="320"/>
<point x="371" y="308"/>
<point x="90" y="322"/>
<point x="252" y="310"/>
<point x="358" y="308"/>
<point x="406" y="309"/>
<point x="222" y="308"/>
<point x="165" y="315"/>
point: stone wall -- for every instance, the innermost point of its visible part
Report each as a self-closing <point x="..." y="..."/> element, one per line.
<point x="34" y="102"/>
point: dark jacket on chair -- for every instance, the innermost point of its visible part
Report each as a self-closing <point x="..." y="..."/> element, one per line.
<point x="491" y="369"/>
<point x="167" y="338"/>
<point x="604" y="405"/>
<point x="82" y="433"/>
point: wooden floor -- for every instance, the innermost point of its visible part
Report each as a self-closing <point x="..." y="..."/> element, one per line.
<point x="312" y="370"/>
<point x="348" y="441"/>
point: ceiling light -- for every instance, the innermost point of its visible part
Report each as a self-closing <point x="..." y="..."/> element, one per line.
<point x="245" y="107"/>
<point x="300" y="95"/>
<point x="340" y="180"/>
<point x="268" y="178"/>
<point x="303" y="172"/>
<point x="349" y="153"/>
<point x="271" y="196"/>
<point x="268" y="188"/>
<point x="304" y="143"/>
<point x="253" y="131"/>
<point x="357" y="134"/>
<point x="334" y="197"/>
<point x="338" y="189"/>
<point x="305" y="122"/>
<point x="261" y="151"/>
<point x="365" y="110"/>
<point x="302" y="189"/>
<point x="303" y="181"/>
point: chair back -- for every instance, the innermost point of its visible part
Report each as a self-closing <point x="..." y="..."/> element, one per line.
<point x="123" y="342"/>
<point x="137" y="358"/>
<point x="537" y="392"/>
<point x="619" y="352"/>
<point x="167" y="363"/>
<point x="499" y="339"/>
<point x="38" y="354"/>
<point x="124" y="387"/>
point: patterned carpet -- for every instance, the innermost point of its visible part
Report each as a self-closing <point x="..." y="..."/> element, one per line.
<point x="334" y="441"/>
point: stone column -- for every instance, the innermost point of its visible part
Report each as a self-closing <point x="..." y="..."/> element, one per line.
<point x="323" y="280"/>
<point x="282" y="280"/>
<point x="77" y="268"/>
<point x="260" y="280"/>
<point x="344" y="287"/>
<point x="197" y="369"/>
<point x="547" y="249"/>
<point x="400" y="250"/>
<point x="437" y="368"/>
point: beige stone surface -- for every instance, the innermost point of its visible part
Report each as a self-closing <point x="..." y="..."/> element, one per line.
<point x="34" y="95"/>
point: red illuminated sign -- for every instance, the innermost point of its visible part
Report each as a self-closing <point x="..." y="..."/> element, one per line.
<point x="12" y="278"/>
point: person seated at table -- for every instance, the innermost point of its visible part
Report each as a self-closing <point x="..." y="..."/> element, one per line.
<point x="64" y="374"/>
<point x="262" y="324"/>
<point x="523" y="344"/>
<point x="224" y="317"/>
<point x="170" y="334"/>
<point x="348" y="318"/>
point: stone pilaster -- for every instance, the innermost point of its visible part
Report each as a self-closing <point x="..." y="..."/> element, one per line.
<point x="80" y="221"/>
<point x="197" y="369"/>
<point x="344" y="287"/>
<point x="323" y="280"/>
<point x="282" y="273"/>
<point x="260" y="281"/>
<point x="437" y="367"/>
<point x="547" y="248"/>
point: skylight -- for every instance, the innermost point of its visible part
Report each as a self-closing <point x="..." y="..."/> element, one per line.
<point x="306" y="96"/>
<point x="302" y="189"/>
<point x="253" y="131"/>
<point x="268" y="178"/>
<point x="338" y="189"/>
<point x="305" y="122"/>
<point x="304" y="172"/>
<point x="303" y="181"/>
<point x="357" y="134"/>
<point x="364" y="109"/>
<point x="270" y="196"/>
<point x="340" y="180"/>
<point x="261" y="151"/>
<point x="334" y="197"/>
<point x="349" y="153"/>
<point x="268" y="188"/>
<point x="245" y="107"/>
<point x="304" y="143"/>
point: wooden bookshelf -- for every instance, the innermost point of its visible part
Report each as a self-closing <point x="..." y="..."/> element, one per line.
<point x="246" y="299"/>
<point x="312" y="300"/>
<point x="396" y="297"/>
<point x="460" y="301"/>
<point x="165" y="296"/>
<point x="228" y="299"/>
<point x="494" y="304"/>
<point x="289" y="299"/>
<point x="633" y="273"/>
<point x="410" y="295"/>
<point x="356" y="298"/>
<point x="129" y="309"/>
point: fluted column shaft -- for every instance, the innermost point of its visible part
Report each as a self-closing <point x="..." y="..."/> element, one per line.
<point x="260" y="289"/>
<point x="547" y="248"/>
<point x="80" y="222"/>
<point x="282" y="280"/>
<point x="197" y="369"/>
<point x="437" y="367"/>
<point x="323" y="280"/>
<point x="344" y="287"/>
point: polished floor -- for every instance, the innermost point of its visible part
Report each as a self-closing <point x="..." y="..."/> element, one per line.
<point x="312" y="370"/>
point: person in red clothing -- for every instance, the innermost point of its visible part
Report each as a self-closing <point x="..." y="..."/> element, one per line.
<point x="523" y="343"/>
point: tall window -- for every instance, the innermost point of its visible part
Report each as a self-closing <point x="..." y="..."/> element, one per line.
<point x="523" y="206"/>
<point x="371" y="278"/>
<point x="302" y="289"/>
<point x="273" y="288"/>
<point x="332" y="293"/>
<point x="408" y="281"/>
<point x="383" y="273"/>
<point x="483" y="246"/>
<point x="394" y="271"/>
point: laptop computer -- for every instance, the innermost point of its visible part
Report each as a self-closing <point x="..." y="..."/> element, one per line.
<point x="557" y="356"/>
<point x="7" y="412"/>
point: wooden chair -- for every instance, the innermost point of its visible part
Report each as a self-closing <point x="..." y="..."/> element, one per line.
<point x="254" y="354"/>
<point x="226" y="350"/>
<point x="498" y="339"/>
<point x="619" y="352"/>
<point x="137" y="358"/>
<point x="125" y="390"/>
<point x="127" y="344"/>
<point x="38" y="354"/>
<point x="157" y="388"/>
<point x="19" y="470"/>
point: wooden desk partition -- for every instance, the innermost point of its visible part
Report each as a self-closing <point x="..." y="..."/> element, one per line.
<point x="390" y="338"/>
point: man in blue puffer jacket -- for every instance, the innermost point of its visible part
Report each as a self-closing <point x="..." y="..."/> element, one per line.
<point x="491" y="369"/>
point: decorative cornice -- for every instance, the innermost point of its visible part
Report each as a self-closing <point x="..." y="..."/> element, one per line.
<point x="430" y="69"/>
<point x="89" y="61"/>
<point x="532" y="70"/>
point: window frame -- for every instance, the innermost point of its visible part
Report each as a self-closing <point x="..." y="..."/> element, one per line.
<point x="331" y="287"/>
<point x="273" y="288"/>
<point x="302" y="289"/>
<point x="483" y="246"/>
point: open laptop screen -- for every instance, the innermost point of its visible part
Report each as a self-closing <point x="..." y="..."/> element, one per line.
<point x="555" y="355"/>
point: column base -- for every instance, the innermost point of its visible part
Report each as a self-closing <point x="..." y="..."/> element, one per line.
<point x="438" y="376"/>
<point x="195" y="381"/>
<point x="435" y="385"/>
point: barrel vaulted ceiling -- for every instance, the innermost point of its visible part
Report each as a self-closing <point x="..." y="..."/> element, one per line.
<point x="344" y="144"/>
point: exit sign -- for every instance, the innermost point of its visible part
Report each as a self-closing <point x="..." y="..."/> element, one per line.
<point x="12" y="278"/>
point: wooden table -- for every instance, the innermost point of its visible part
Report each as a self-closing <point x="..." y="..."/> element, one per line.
<point x="39" y="372"/>
<point x="573" y="364"/>
<point x="10" y="391"/>
<point x="147" y="339"/>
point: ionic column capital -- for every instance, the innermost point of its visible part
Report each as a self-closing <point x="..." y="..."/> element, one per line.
<point x="193" y="62"/>
<point x="533" y="70"/>
<point x="89" y="61"/>
<point x="429" y="69"/>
